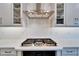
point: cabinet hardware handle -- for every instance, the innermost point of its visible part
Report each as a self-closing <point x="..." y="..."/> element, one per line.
<point x="70" y="51"/>
<point x="7" y="51"/>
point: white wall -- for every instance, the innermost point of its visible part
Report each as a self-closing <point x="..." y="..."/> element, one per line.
<point x="48" y="6"/>
<point x="28" y="6"/>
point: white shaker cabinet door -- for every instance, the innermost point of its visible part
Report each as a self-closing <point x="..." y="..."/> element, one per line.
<point x="72" y="14"/>
<point x="5" y="13"/>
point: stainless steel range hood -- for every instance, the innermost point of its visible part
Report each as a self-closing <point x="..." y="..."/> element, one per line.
<point x="38" y="13"/>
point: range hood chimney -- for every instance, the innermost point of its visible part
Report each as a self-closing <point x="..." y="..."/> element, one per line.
<point x="39" y="13"/>
<point x="38" y="8"/>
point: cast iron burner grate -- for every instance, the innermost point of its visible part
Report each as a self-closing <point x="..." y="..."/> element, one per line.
<point x="39" y="42"/>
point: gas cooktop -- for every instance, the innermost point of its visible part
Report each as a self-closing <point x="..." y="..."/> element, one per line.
<point x="39" y="42"/>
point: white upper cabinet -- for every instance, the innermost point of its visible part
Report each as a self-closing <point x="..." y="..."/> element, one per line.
<point x="72" y="14"/>
<point x="5" y="14"/>
<point x="7" y="17"/>
<point x="17" y="13"/>
<point x="60" y="14"/>
<point x="67" y="14"/>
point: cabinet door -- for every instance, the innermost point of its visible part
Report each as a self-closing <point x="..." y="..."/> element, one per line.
<point x="72" y="14"/>
<point x="69" y="52"/>
<point x="59" y="14"/>
<point x="8" y="52"/>
<point x="10" y="14"/>
<point x="17" y="13"/>
<point x="5" y="14"/>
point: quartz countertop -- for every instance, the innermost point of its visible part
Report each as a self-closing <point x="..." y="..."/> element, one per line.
<point x="16" y="43"/>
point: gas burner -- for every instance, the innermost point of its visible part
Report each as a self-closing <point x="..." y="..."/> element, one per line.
<point x="39" y="42"/>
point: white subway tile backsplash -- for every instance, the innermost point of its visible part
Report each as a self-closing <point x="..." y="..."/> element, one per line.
<point x="23" y="33"/>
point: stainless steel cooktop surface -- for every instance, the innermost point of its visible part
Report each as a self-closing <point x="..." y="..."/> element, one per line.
<point x="39" y="42"/>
